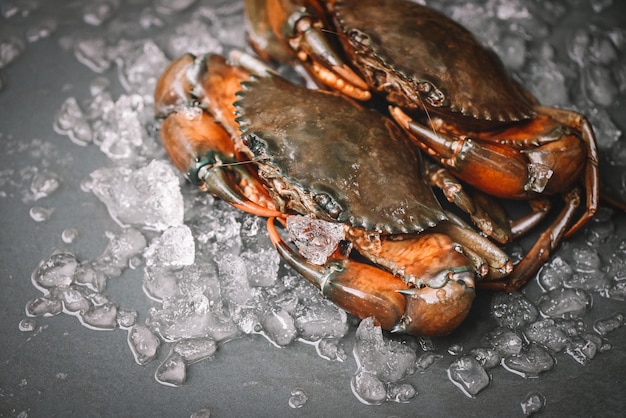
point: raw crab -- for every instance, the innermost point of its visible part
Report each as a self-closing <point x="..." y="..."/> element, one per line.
<point x="291" y="151"/>
<point x="455" y="99"/>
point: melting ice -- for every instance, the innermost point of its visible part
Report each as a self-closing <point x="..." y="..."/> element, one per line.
<point x="213" y="275"/>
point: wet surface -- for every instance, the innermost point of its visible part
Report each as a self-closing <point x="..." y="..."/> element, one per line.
<point x="77" y="160"/>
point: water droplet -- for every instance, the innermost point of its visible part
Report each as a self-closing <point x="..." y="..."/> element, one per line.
<point x="533" y="403"/>
<point x="69" y="235"/>
<point x="40" y="214"/>
<point x="201" y="413"/>
<point x="27" y="325"/>
<point x="297" y="399"/>
<point x="44" y="184"/>
<point x="11" y="47"/>
<point x="455" y="350"/>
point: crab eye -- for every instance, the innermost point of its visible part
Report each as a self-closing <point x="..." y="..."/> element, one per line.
<point x="254" y="144"/>
<point x="431" y="94"/>
<point x="328" y="205"/>
<point x="359" y="37"/>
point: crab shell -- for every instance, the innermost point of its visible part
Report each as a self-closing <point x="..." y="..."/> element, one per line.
<point x="370" y="179"/>
<point x="418" y="58"/>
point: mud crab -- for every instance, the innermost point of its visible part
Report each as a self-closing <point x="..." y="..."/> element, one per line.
<point x="263" y="145"/>
<point x="456" y="101"/>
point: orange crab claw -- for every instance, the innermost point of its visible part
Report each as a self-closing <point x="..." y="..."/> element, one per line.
<point x="360" y="289"/>
<point x="365" y="290"/>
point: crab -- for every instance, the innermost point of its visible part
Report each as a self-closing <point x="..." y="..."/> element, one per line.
<point x="486" y="136"/>
<point x="282" y="151"/>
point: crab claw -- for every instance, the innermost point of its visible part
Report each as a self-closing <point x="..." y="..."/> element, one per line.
<point x="365" y="290"/>
<point x="201" y="148"/>
<point x="438" y="311"/>
<point x="327" y="66"/>
<point x="301" y="30"/>
<point x="360" y="289"/>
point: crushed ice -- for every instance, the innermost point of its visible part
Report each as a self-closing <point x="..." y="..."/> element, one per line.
<point x="240" y="287"/>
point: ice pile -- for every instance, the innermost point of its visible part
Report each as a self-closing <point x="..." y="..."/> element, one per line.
<point x="532" y="332"/>
<point x="78" y="288"/>
<point x="210" y="271"/>
<point x="382" y="364"/>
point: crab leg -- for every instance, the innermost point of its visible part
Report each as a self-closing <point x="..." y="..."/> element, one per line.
<point x="541" y="250"/>
<point x="592" y="174"/>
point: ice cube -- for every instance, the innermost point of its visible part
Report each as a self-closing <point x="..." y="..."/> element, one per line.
<point x="605" y="326"/>
<point x="194" y="37"/>
<point x="100" y="318"/>
<point x="193" y="350"/>
<point x="58" y="270"/>
<point x="564" y="303"/>
<point x="40" y="214"/>
<point x="120" y="250"/>
<point x="175" y="247"/>
<point x="94" y="53"/>
<point x="425" y="360"/>
<point x="279" y="327"/>
<point x="554" y="273"/>
<point x="173" y="371"/>
<point x="44" y="306"/>
<point x="529" y="363"/>
<point x="547" y="333"/>
<point x="505" y="341"/>
<point x="487" y="357"/>
<point x="261" y="266"/>
<point x="316" y="239"/>
<point x="11" y="47"/>
<point x="149" y="196"/>
<point x="468" y="375"/>
<point x="321" y="320"/>
<point x="533" y="403"/>
<point x="190" y="316"/>
<point x="140" y="64"/>
<point x="389" y="360"/>
<point x="44" y="184"/>
<point x="172" y="6"/>
<point x="143" y="343"/>
<point x="512" y="310"/>
<point x="368" y="388"/>
<point x="122" y="130"/>
<point x="98" y="12"/>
